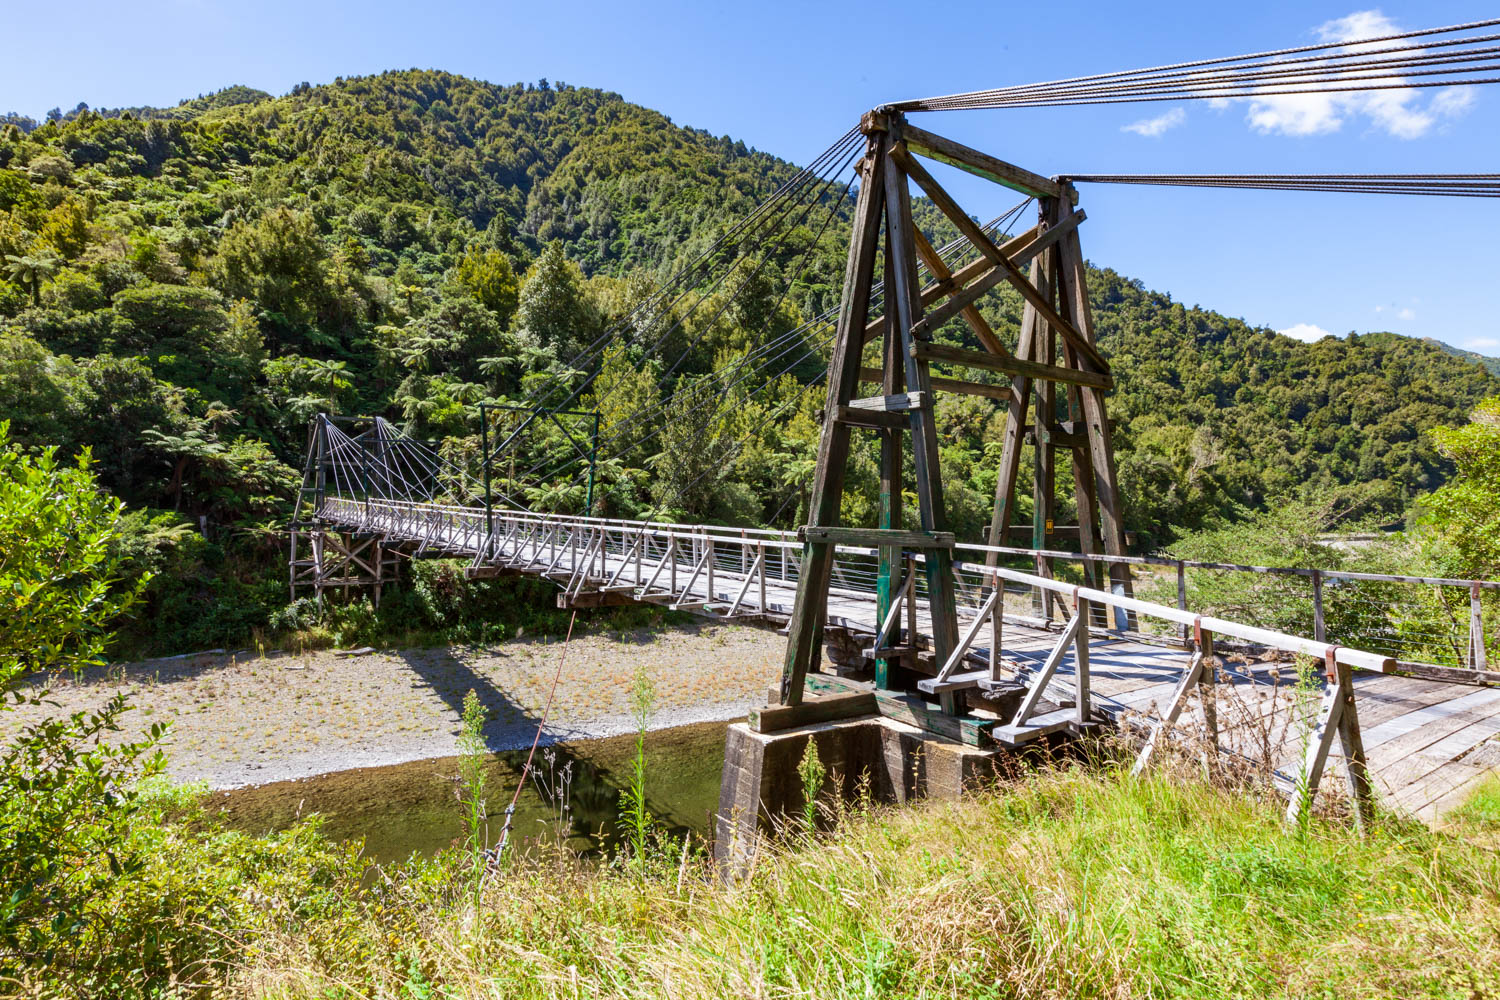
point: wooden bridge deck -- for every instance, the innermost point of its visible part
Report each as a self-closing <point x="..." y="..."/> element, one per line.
<point x="1428" y="743"/>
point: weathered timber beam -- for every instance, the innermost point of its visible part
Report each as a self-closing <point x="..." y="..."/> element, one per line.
<point x="877" y="419"/>
<point x="595" y="599"/>
<point x="971" y="229"/>
<point x="827" y="708"/>
<point x="956" y="154"/>
<point x="1021" y="250"/>
<point x="876" y="537"/>
<point x="1058" y="532"/>
<point x="1010" y="366"/>
<point x="946" y="384"/>
<point x="986" y="274"/>
<point x="1060" y="439"/>
<point x="894" y="403"/>
<point x="938" y="268"/>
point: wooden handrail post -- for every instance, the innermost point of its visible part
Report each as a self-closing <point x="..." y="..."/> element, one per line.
<point x="911" y="601"/>
<point x="1039" y="598"/>
<point x="1081" y="614"/>
<point x="998" y="589"/>
<point x="1320" y="630"/>
<point x="1187" y="634"/>
<point x="1337" y="716"/>
<point x="1478" y="656"/>
<point x="1206" y="694"/>
<point x="760" y="561"/>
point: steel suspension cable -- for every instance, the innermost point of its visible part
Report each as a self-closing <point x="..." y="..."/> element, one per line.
<point x="1451" y="185"/>
<point x="948" y="252"/>
<point x="805" y="178"/>
<point x="1036" y="94"/>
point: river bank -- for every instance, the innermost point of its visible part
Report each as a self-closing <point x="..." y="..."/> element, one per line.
<point x="243" y="719"/>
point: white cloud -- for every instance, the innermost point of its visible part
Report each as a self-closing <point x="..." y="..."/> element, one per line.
<point x="1401" y="312"/>
<point x="1452" y="102"/>
<point x="1482" y="343"/>
<point x="1154" y="127"/>
<point x="1401" y="113"/>
<point x="1305" y="331"/>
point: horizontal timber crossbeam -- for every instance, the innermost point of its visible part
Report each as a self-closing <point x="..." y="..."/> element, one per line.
<point x="876" y="537"/>
<point x="947" y="385"/>
<point x="956" y="154"/>
<point x="899" y="402"/>
<point x="1010" y="366"/>
<point x="1018" y="251"/>
<point x="859" y="416"/>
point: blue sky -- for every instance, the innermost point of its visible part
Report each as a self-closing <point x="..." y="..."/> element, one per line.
<point x="789" y="77"/>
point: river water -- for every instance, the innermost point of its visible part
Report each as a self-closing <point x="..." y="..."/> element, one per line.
<point x="575" y="787"/>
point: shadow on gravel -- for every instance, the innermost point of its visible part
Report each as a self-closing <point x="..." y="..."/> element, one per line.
<point x="579" y="781"/>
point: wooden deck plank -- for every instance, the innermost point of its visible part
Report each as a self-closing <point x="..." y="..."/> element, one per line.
<point x="1454" y="797"/>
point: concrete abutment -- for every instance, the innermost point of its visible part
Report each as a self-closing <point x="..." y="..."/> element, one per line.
<point x="885" y="759"/>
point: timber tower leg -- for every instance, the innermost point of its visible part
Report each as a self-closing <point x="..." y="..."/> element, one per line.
<point x="1055" y="399"/>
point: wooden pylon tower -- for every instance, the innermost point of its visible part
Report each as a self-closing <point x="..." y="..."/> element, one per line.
<point x="1058" y="382"/>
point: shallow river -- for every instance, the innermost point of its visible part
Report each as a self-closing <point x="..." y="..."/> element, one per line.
<point x="414" y="807"/>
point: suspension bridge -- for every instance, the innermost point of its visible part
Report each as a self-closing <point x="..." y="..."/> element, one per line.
<point x="978" y="643"/>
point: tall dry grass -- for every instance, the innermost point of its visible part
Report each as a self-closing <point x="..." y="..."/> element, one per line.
<point x="1067" y="883"/>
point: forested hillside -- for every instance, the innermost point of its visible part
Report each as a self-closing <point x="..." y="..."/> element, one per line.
<point x="1492" y="364"/>
<point x="183" y="288"/>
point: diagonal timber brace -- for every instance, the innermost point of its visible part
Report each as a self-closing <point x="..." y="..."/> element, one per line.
<point x="886" y="248"/>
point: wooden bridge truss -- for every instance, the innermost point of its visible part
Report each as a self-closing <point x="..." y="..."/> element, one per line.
<point x="1058" y="381"/>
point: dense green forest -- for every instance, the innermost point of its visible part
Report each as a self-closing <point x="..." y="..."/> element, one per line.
<point x="183" y="288"/>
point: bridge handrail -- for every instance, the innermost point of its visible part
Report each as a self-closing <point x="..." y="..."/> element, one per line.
<point x="1219" y="626"/>
<point x="770" y="537"/>
<point x="1327" y="574"/>
<point x="470" y="522"/>
<point x="789" y="539"/>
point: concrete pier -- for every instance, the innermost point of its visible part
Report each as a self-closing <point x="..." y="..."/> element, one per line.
<point x="888" y="760"/>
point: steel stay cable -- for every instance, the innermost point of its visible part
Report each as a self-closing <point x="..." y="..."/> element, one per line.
<point x="948" y="251"/>
<point x="1469" y="185"/>
<point x="739" y="443"/>
<point x="398" y="449"/>
<point x="1253" y="84"/>
<point x="801" y="178"/>
<point x="832" y="154"/>
<point x="589" y="378"/>
<point x="804" y="179"/>
<point x="1240" y="89"/>
<point x="1137" y="77"/>
<point x="765" y="258"/>
<point x="1185" y="97"/>
<point x="1320" y="67"/>
<point x="510" y="810"/>
<point x="919" y="105"/>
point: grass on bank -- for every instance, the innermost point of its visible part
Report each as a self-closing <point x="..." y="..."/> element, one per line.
<point x="1065" y="883"/>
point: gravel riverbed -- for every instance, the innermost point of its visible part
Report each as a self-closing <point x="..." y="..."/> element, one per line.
<point x="248" y="719"/>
